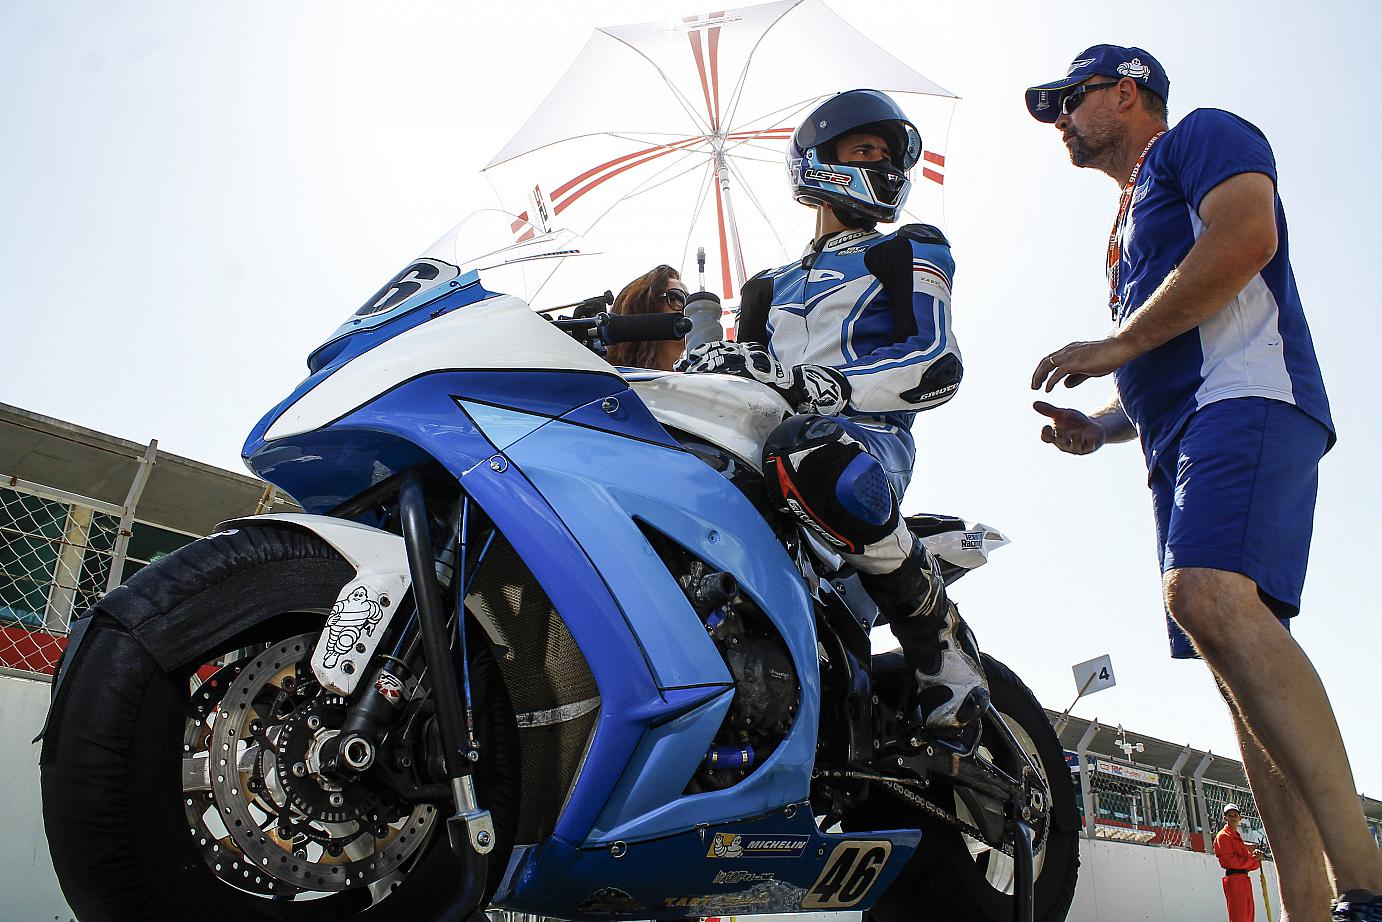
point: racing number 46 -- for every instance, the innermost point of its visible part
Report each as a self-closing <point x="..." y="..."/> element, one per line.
<point x="849" y="873"/>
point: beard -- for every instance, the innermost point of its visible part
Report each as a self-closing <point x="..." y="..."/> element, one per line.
<point x="1096" y="145"/>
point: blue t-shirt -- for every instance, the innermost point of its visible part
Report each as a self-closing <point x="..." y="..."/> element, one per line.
<point x="1257" y="345"/>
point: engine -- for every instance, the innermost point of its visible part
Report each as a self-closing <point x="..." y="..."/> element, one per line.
<point x="766" y="694"/>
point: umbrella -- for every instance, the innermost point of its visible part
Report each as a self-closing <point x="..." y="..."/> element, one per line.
<point x="667" y="138"/>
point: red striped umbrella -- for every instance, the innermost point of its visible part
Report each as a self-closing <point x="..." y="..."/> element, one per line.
<point x="663" y="138"/>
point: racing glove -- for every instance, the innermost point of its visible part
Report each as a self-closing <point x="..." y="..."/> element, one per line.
<point x="808" y="388"/>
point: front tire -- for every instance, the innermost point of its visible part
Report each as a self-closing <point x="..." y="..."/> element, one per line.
<point x="953" y="877"/>
<point x="119" y="813"/>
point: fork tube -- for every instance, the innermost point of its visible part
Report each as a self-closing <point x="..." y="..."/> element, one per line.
<point x="432" y="617"/>
<point x="460" y="584"/>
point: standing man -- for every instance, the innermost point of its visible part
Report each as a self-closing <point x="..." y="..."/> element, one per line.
<point x="1216" y="374"/>
<point x="1237" y="860"/>
<point x="856" y="336"/>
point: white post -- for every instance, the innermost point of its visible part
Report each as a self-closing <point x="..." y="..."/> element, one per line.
<point x="122" y="537"/>
<point x="1176" y="770"/>
<point x="1086" y="789"/>
<point x="1204" y="802"/>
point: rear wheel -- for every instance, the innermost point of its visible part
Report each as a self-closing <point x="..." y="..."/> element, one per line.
<point x="195" y="791"/>
<point x="955" y="877"/>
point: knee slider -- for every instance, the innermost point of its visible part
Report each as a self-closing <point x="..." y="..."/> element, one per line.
<point x="816" y="471"/>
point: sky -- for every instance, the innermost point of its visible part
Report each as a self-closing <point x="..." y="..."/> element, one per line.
<point x="195" y="195"/>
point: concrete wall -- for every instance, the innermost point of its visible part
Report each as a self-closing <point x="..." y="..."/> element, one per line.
<point x="28" y="887"/>
<point x="1119" y="882"/>
<point x="1123" y="882"/>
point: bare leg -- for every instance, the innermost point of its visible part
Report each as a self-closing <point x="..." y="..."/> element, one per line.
<point x="1296" y="846"/>
<point x="1284" y="706"/>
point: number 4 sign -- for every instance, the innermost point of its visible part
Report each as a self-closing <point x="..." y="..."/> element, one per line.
<point x="1094" y="675"/>
<point x="848" y="874"/>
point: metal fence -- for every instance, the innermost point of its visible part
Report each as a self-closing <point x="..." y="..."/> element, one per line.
<point x="58" y="553"/>
<point x="1129" y="802"/>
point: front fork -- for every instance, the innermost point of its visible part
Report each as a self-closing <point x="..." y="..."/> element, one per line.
<point x="470" y="829"/>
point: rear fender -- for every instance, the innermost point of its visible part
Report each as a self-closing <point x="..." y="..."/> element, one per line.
<point x="365" y="605"/>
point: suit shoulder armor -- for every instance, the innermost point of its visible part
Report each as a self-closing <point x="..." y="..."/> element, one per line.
<point x="923" y="233"/>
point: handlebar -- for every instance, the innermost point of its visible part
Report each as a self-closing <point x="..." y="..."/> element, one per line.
<point x="605" y="329"/>
<point x="622" y="328"/>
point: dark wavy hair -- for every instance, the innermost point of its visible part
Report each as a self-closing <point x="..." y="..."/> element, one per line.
<point x="641" y="296"/>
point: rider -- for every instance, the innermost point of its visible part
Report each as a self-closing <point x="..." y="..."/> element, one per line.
<point x="856" y="336"/>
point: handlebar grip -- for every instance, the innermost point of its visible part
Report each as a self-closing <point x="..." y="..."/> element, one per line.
<point x="622" y="328"/>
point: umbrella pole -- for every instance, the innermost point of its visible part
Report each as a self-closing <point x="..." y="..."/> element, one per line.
<point x="735" y="253"/>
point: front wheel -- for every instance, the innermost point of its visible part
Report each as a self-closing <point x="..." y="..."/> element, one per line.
<point x="196" y="792"/>
<point x="955" y="877"/>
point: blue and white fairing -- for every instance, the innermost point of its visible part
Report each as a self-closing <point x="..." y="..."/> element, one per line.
<point x="571" y="465"/>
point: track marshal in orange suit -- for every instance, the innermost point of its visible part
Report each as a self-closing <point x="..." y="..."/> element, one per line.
<point x="1237" y="860"/>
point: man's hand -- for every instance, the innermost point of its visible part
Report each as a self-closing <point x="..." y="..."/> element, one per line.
<point x="1070" y="430"/>
<point x="739" y="359"/>
<point x="1078" y="362"/>
<point x="808" y="388"/>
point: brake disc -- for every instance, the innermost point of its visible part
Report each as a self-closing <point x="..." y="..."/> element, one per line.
<point x="336" y="836"/>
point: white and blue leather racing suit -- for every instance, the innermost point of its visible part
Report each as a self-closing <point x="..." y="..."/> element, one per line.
<point x="876" y="308"/>
<point x="856" y="336"/>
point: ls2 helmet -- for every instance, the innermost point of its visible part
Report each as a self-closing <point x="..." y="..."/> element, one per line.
<point x="866" y="192"/>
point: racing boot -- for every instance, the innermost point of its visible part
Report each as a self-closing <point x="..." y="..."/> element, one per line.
<point x="952" y="692"/>
<point x="1358" y="906"/>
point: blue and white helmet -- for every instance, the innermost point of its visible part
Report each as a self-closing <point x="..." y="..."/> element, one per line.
<point x="874" y="191"/>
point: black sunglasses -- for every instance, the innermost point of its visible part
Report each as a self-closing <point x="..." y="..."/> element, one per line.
<point x="675" y="297"/>
<point x="1075" y="98"/>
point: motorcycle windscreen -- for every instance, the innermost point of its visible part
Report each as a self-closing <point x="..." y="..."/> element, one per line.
<point x="502" y="252"/>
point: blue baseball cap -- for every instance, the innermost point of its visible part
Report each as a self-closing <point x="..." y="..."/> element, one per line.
<point x="1106" y="61"/>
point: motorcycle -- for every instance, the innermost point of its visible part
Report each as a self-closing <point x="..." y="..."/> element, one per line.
<point x="538" y="643"/>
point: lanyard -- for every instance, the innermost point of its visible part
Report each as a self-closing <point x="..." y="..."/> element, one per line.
<point x="1115" y="242"/>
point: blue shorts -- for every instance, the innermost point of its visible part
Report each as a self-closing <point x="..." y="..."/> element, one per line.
<point x="1236" y="491"/>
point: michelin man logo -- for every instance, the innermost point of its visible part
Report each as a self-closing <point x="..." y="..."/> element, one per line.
<point x="727" y="845"/>
<point x="1135" y="69"/>
<point x="352" y="616"/>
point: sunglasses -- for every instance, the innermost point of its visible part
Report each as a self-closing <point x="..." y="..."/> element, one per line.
<point x="675" y="297"/>
<point x="1075" y="98"/>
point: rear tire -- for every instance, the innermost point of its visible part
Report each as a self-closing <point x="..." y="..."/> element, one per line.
<point x="112" y="763"/>
<point x="955" y="878"/>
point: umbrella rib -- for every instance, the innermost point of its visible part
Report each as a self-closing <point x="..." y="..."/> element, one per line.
<point x="637" y="190"/>
<point x="696" y="214"/>
<point x="656" y="150"/>
<point x="748" y="62"/>
<point x="644" y="188"/>
<point x="748" y="189"/>
<point x="773" y="160"/>
<point x="693" y="36"/>
<point x="561" y="206"/>
<point x="677" y="94"/>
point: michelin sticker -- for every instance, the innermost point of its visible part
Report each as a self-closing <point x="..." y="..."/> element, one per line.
<point x="736" y="845"/>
